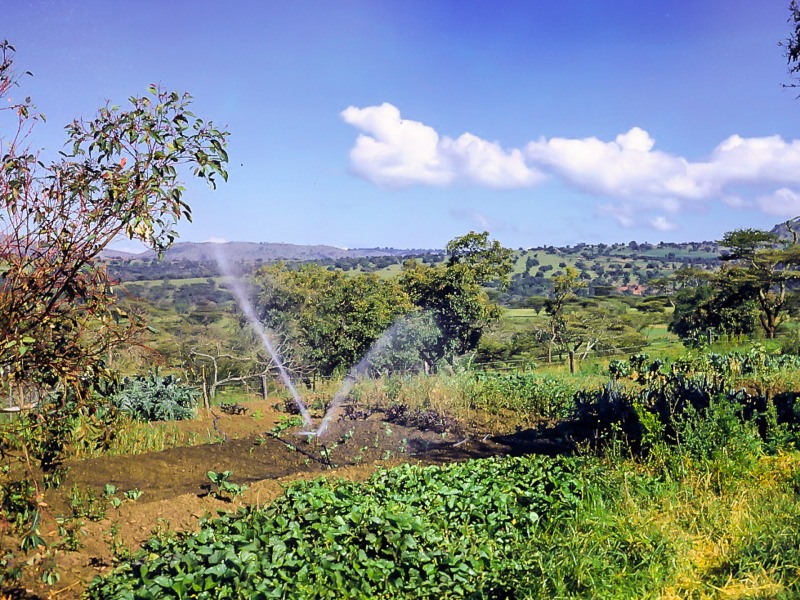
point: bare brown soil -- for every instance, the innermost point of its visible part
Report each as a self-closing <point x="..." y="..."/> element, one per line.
<point x="175" y="485"/>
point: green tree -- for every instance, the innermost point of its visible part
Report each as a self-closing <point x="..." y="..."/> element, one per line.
<point x="591" y="326"/>
<point x="537" y="303"/>
<point x="486" y="259"/>
<point x="333" y="319"/>
<point x="453" y="292"/>
<point x="59" y="317"/>
<point x="720" y="308"/>
<point x="565" y="287"/>
<point x="409" y="346"/>
<point x="760" y="266"/>
<point x="330" y="318"/>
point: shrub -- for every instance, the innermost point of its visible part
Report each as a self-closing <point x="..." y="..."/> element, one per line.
<point x="720" y="432"/>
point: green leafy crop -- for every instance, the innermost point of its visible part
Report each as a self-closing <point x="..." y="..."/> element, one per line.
<point x="409" y="532"/>
<point x="154" y="398"/>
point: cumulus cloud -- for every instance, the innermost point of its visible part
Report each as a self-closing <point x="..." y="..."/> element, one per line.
<point x="643" y="183"/>
<point x="752" y="160"/>
<point x="661" y="223"/>
<point x="782" y="203"/>
<point x="626" y="167"/>
<point x="395" y="152"/>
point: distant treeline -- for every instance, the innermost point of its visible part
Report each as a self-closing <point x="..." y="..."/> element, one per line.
<point x="607" y="268"/>
<point x="153" y="269"/>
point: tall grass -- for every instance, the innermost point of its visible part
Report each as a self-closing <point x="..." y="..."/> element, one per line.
<point x="137" y="437"/>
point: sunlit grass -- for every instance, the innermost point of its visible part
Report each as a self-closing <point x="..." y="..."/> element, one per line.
<point x="641" y="532"/>
<point x="136" y="437"/>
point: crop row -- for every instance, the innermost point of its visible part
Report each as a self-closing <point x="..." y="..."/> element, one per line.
<point x="408" y="532"/>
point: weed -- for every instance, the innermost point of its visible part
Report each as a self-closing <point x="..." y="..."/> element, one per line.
<point x="68" y="530"/>
<point x="285" y="423"/>
<point x="119" y="550"/>
<point x="86" y="504"/>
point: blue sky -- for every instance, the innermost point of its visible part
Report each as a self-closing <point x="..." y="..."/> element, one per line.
<point x="405" y="124"/>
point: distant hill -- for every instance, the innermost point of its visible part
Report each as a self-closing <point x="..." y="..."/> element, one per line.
<point x="253" y="252"/>
<point x="109" y="253"/>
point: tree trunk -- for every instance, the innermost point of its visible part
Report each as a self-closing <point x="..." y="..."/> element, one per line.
<point x="572" y="361"/>
<point x="264" y="389"/>
<point x="206" y="402"/>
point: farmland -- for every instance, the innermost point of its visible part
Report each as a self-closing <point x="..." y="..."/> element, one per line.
<point x="611" y="421"/>
<point x="663" y="473"/>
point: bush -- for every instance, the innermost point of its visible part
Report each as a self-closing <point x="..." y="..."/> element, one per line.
<point x="720" y="432"/>
<point x="154" y="398"/>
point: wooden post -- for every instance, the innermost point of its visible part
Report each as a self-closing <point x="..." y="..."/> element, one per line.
<point x="264" y="389"/>
<point x="572" y="362"/>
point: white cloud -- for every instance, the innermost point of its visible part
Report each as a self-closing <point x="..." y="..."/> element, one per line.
<point x="661" y="223"/>
<point x="782" y="203"/>
<point x="216" y="240"/>
<point x="628" y="167"/>
<point x="769" y="160"/>
<point x="395" y="152"/>
<point x="643" y="182"/>
<point x="486" y="163"/>
<point x="736" y="202"/>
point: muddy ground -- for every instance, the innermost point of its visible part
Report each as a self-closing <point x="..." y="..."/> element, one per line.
<point x="174" y="483"/>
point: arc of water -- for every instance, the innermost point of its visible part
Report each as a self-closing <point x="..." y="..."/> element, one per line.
<point x="355" y="373"/>
<point x="347" y="385"/>
<point x="250" y="314"/>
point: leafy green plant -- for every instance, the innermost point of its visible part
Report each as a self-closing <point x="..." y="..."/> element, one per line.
<point x="86" y="503"/>
<point x="224" y="489"/>
<point x="719" y="432"/>
<point x="133" y="494"/>
<point x="155" y="398"/>
<point x="410" y="532"/>
<point x="538" y="396"/>
<point x="119" y="549"/>
<point x="285" y="423"/>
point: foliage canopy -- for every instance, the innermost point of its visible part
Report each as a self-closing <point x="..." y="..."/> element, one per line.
<point x="59" y="317"/>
